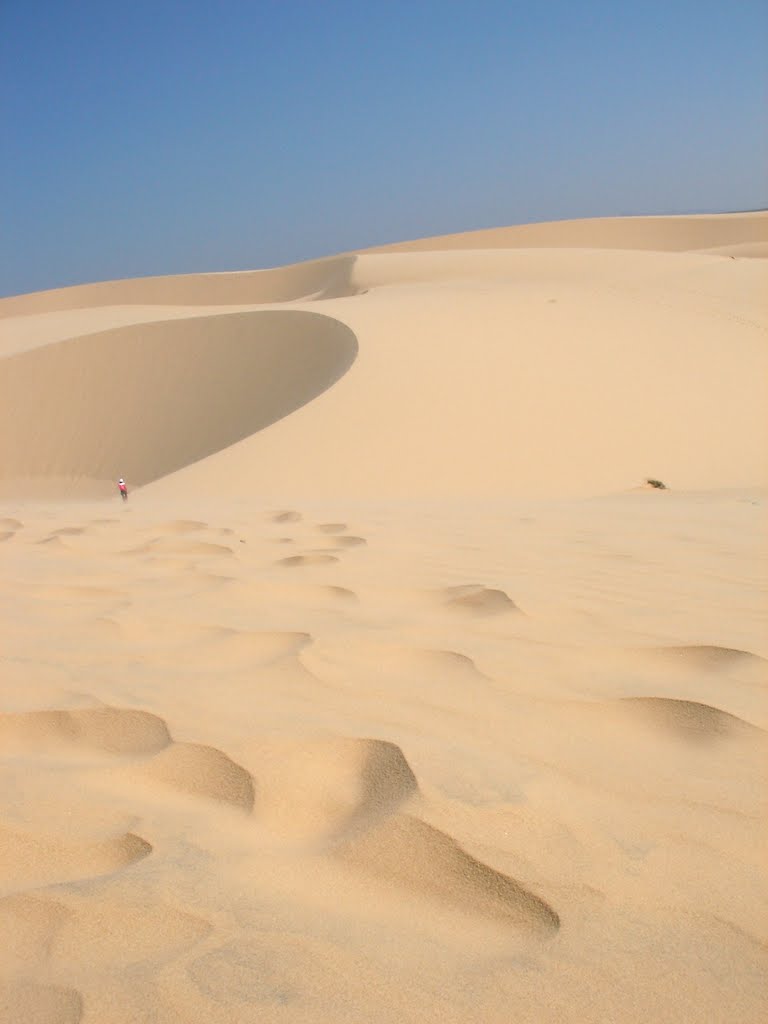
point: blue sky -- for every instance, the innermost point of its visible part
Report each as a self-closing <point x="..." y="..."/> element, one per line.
<point x="172" y="136"/>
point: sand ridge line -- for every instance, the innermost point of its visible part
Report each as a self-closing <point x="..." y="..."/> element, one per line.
<point x="31" y="858"/>
<point x="296" y="561"/>
<point x="692" y="720"/>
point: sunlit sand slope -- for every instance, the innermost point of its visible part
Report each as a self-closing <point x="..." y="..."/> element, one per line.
<point x="482" y="371"/>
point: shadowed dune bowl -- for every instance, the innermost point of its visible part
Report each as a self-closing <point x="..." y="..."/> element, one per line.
<point x="146" y="400"/>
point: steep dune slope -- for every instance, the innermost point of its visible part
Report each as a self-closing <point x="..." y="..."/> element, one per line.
<point x="143" y="401"/>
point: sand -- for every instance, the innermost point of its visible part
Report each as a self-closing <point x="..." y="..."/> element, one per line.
<point x="393" y="693"/>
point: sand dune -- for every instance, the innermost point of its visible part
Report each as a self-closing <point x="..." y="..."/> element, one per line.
<point x="394" y="692"/>
<point x="690" y="719"/>
<point x="104" y="393"/>
<point x="117" y="730"/>
<point x="662" y="234"/>
<point x="329" y="789"/>
<point x="316" y="278"/>
<point x="29" y="860"/>
<point x="429" y="863"/>
<point x="203" y="772"/>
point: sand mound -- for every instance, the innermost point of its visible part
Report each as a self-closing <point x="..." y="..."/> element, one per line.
<point x="331" y="527"/>
<point x="293" y="561"/>
<point x="203" y="772"/>
<point x="10" y="524"/>
<point x="325" y="789"/>
<point x="29" y="859"/>
<point x="22" y="1001"/>
<point x="113" y="730"/>
<point x="287" y="516"/>
<point x="159" y="396"/>
<point x="415" y="662"/>
<point x="478" y="600"/>
<point x="7" y="534"/>
<point x="349" y="541"/>
<point x="701" y="657"/>
<point x="689" y="719"/>
<point x="406" y="852"/>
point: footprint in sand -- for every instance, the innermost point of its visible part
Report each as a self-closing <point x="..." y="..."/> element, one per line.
<point x="475" y="599"/>
<point x="287" y="516"/>
<point x="293" y="561"/>
<point x="332" y="527"/>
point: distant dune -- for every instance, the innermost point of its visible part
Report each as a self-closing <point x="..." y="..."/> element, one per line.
<point x="661" y="234"/>
<point x="484" y="367"/>
<point x="395" y="691"/>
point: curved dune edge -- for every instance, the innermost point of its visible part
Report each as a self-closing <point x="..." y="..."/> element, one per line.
<point x="202" y="771"/>
<point x="413" y="855"/>
<point x="701" y="657"/>
<point x="112" y="730"/>
<point x="689" y="719"/>
<point x="34" y="858"/>
<point x="657" y="233"/>
<point x="323" y="278"/>
<point x="740" y="234"/>
<point x="146" y="400"/>
<point x="328" y="789"/>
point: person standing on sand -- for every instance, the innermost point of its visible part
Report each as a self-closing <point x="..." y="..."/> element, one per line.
<point x="123" y="489"/>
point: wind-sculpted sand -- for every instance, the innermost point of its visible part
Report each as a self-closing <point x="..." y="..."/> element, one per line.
<point x="394" y="692"/>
